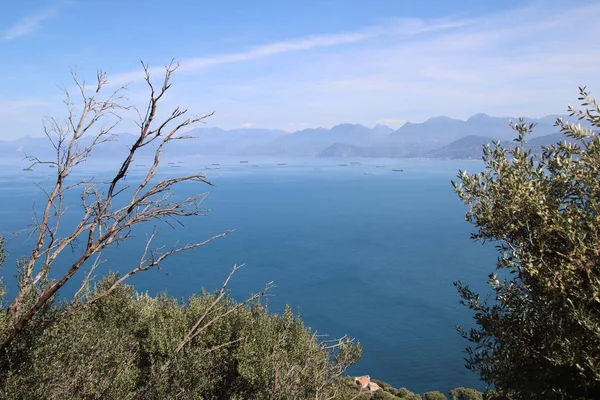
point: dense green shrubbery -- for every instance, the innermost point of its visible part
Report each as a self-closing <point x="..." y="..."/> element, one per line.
<point x="462" y="393"/>
<point x="382" y="395"/>
<point x="539" y="335"/>
<point x="122" y="347"/>
<point x="434" y="396"/>
<point x="388" y="392"/>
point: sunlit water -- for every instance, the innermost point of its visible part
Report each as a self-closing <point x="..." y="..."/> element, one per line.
<point x="357" y="249"/>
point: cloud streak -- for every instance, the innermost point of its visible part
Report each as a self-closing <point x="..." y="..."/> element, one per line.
<point x="405" y="26"/>
<point x="526" y="61"/>
<point x="29" y="24"/>
<point x="200" y="63"/>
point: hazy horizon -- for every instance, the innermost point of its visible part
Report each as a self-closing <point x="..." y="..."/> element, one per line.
<point x="40" y="133"/>
<point x="297" y="66"/>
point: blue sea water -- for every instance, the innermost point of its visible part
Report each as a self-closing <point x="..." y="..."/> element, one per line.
<point x="357" y="249"/>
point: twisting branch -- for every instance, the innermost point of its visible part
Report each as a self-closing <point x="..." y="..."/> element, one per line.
<point x="200" y="326"/>
<point x="91" y="120"/>
<point x="149" y="260"/>
<point x="85" y="283"/>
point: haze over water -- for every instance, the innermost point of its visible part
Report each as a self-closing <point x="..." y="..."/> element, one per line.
<point x="371" y="255"/>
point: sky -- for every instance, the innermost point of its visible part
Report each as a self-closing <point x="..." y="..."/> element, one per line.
<point x="302" y="64"/>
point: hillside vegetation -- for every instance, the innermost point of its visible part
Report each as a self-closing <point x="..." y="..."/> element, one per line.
<point x="124" y="347"/>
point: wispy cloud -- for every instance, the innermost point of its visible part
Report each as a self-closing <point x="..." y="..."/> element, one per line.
<point x="29" y="24"/>
<point x="527" y="61"/>
<point x="199" y="63"/>
<point x="405" y="26"/>
<point x="275" y="48"/>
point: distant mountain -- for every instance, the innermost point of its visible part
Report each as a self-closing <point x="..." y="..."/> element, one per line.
<point x="310" y="142"/>
<point x="445" y="130"/>
<point x="209" y="141"/>
<point x="438" y="137"/>
<point x="382" y="130"/>
<point x="546" y="140"/>
<point x="437" y="129"/>
<point x="342" y="150"/>
<point x="468" y="147"/>
<point x="217" y="141"/>
<point x="16" y="148"/>
<point x="386" y="148"/>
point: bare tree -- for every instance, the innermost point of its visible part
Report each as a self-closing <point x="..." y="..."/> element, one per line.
<point x="104" y="221"/>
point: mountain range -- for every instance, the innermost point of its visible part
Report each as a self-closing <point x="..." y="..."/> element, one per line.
<point x="438" y="137"/>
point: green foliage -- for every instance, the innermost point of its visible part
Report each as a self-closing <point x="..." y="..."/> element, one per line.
<point x="383" y="395"/>
<point x="384" y="385"/>
<point x="406" y="394"/>
<point x="462" y="393"/>
<point x="347" y="389"/>
<point x="122" y="347"/>
<point x="539" y="337"/>
<point x="433" y="396"/>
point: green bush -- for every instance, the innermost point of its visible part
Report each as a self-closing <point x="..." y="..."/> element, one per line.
<point x="383" y="395"/>
<point x="434" y="396"/>
<point x="462" y="393"/>
<point x="406" y="394"/>
<point x="538" y="337"/>
<point x="122" y="347"/>
<point x="384" y="385"/>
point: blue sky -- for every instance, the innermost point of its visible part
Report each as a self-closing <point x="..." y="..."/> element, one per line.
<point x="297" y="64"/>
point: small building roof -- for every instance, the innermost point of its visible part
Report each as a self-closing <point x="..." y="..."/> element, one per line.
<point x="363" y="381"/>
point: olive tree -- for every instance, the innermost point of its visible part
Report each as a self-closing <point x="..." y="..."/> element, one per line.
<point x="538" y="335"/>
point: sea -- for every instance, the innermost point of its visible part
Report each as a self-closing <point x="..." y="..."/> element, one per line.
<point x="364" y="247"/>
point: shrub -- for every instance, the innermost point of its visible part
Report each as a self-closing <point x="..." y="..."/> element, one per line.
<point x="434" y="396"/>
<point x="462" y="393"/>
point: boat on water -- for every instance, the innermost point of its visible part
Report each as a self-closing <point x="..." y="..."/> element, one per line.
<point x="281" y="164"/>
<point x="243" y="162"/>
<point x="379" y="166"/>
<point x="354" y="162"/>
<point x="216" y="164"/>
<point x="27" y="169"/>
<point x="397" y="170"/>
<point x="343" y="165"/>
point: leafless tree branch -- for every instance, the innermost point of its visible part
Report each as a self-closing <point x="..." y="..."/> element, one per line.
<point x="200" y="326"/>
<point x="91" y="120"/>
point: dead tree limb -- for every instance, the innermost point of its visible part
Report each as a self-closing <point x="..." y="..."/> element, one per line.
<point x="92" y="117"/>
<point x="200" y="326"/>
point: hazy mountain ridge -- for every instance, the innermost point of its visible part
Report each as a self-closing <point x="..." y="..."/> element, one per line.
<point x="445" y="129"/>
<point x="438" y="137"/>
<point x="468" y="147"/>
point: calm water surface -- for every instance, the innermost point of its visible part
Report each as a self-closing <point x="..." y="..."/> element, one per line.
<point x="371" y="255"/>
